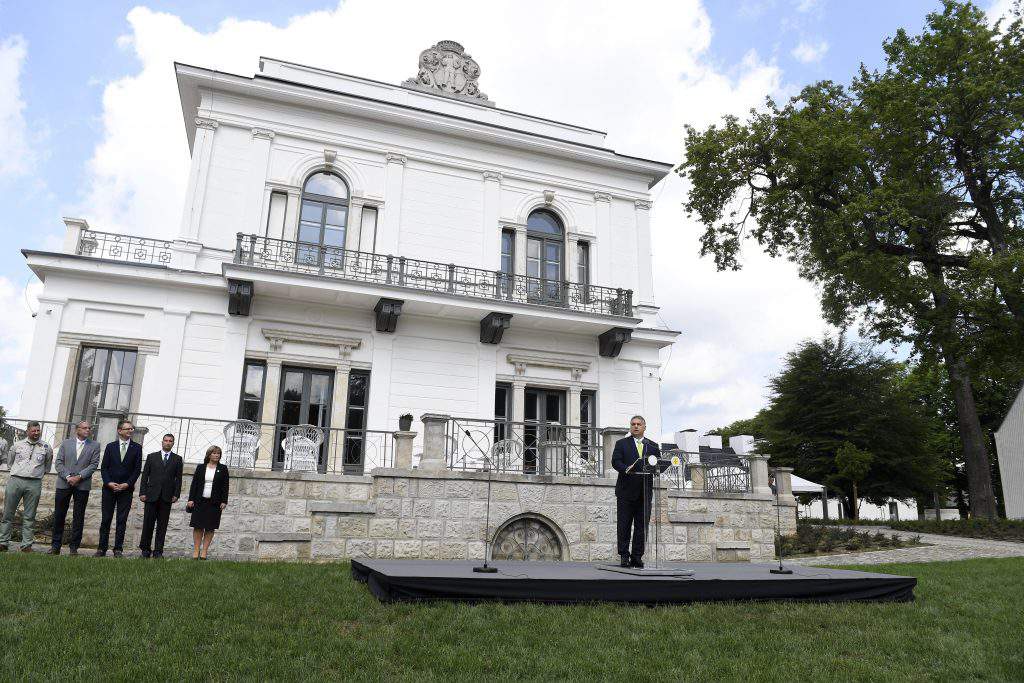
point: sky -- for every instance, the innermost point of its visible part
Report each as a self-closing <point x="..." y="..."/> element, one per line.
<point x="91" y="126"/>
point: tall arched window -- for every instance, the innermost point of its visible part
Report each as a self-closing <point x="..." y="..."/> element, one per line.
<point x="322" y="218"/>
<point x="545" y="254"/>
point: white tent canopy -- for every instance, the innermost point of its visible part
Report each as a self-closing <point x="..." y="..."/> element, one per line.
<point x="801" y="485"/>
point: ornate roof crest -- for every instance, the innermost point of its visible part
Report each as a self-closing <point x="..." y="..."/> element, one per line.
<point x="446" y="69"/>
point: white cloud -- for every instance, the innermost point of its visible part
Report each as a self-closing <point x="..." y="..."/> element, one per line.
<point x="806" y="5"/>
<point x="808" y="52"/>
<point x="1000" y="9"/>
<point x="16" y="155"/>
<point x="640" y="82"/>
<point x="15" y="340"/>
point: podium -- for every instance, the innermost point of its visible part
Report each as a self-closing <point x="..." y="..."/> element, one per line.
<point x="652" y="471"/>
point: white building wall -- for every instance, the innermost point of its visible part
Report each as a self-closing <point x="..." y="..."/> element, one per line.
<point x="1010" y="451"/>
<point x="905" y="510"/>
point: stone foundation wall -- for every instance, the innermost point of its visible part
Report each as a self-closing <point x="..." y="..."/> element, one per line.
<point x="442" y="515"/>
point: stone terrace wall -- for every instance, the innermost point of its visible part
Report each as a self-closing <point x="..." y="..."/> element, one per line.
<point x="441" y="515"/>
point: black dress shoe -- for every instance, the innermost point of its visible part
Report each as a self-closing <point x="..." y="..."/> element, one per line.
<point x="53" y="551"/>
<point x="637" y="564"/>
<point x="146" y="554"/>
<point x="118" y="553"/>
<point x="101" y="553"/>
<point x="73" y="551"/>
<point x="624" y="562"/>
<point x="158" y="556"/>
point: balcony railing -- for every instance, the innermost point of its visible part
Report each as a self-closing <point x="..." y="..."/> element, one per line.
<point x="244" y="445"/>
<point x="346" y="264"/>
<point x="523" y="448"/>
<point x="720" y="472"/>
<point x="123" y="247"/>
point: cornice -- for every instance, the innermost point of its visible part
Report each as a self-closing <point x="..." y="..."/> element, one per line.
<point x="146" y="347"/>
<point x="520" y="361"/>
<point x="277" y="337"/>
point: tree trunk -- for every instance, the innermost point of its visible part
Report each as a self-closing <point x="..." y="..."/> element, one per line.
<point x="979" y="479"/>
<point x="855" y="505"/>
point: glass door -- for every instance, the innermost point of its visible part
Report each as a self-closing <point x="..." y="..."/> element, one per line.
<point x="544" y="414"/>
<point x="305" y="400"/>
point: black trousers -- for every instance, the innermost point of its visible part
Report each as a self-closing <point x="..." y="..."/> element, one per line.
<point x="632" y="515"/>
<point x="122" y="503"/>
<point x="60" y="516"/>
<point x="157" y="513"/>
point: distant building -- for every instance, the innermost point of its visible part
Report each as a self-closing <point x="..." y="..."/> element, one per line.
<point x="1010" y="451"/>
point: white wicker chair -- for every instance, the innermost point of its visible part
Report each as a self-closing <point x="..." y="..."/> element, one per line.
<point x="507" y="455"/>
<point x="301" y="447"/>
<point x="241" y="443"/>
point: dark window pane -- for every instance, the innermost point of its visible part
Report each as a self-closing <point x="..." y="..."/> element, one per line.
<point x="250" y="411"/>
<point x="254" y="381"/>
<point x="357" y="385"/>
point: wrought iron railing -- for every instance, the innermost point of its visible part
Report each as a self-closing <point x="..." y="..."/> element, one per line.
<point x="722" y="472"/>
<point x="244" y="445"/>
<point x="523" y="448"/>
<point x="400" y="271"/>
<point x="123" y="247"/>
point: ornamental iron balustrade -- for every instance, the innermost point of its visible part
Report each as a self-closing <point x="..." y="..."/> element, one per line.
<point x="127" y="248"/>
<point x="523" y="448"/>
<point x="400" y="271"/>
<point x="723" y="472"/>
<point x="244" y="445"/>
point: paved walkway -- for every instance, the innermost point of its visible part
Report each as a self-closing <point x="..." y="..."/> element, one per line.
<point x="939" y="548"/>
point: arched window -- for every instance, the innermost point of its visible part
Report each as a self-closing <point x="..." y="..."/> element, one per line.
<point x="322" y="218"/>
<point x="545" y="255"/>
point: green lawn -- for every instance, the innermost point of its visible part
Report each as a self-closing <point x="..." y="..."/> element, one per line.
<point x="84" y="618"/>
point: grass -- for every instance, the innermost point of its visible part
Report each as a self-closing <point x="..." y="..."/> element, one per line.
<point x="83" y="618"/>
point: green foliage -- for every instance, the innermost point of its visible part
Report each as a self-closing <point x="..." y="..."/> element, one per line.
<point x="852" y="463"/>
<point x="830" y="394"/>
<point x="901" y="195"/>
<point x="999" y="529"/>
<point x="812" y="538"/>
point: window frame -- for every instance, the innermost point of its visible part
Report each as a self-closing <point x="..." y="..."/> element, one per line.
<point x="75" y="417"/>
<point x="546" y="290"/>
<point x="254" y="362"/>
<point x="305" y="247"/>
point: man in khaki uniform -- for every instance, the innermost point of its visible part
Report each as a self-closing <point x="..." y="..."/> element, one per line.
<point x="29" y="460"/>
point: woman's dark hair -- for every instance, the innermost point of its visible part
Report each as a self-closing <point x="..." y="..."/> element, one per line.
<point x="211" y="449"/>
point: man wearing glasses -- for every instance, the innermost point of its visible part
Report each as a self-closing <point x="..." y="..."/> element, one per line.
<point x="122" y="464"/>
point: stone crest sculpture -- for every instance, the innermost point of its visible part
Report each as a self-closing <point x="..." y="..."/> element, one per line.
<point x="446" y="69"/>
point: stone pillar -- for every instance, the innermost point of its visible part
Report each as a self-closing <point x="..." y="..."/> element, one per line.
<point x="75" y="227"/>
<point x="491" y="243"/>
<point x="339" y="408"/>
<point x="520" y="251"/>
<point x="571" y="262"/>
<point x="255" y="196"/>
<point x="645" y="275"/>
<point x="106" y="425"/>
<point x="609" y="435"/>
<point x="195" y="193"/>
<point x="268" y="435"/>
<point x="353" y="224"/>
<point x="601" y="271"/>
<point x="784" y="481"/>
<point x="403" y="449"/>
<point x="389" y="228"/>
<point x="697" y="476"/>
<point x="759" y="474"/>
<point x="434" y="428"/>
<point x="291" y="216"/>
<point x="519" y="414"/>
<point x="37" y="389"/>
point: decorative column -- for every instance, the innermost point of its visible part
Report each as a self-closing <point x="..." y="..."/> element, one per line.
<point x="518" y="409"/>
<point x="339" y="408"/>
<point x="520" y="250"/>
<point x="195" y="194"/>
<point x="403" y="449"/>
<point x="389" y="228"/>
<point x="609" y="435"/>
<point x="75" y="228"/>
<point x="698" y="470"/>
<point x="40" y="361"/>
<point x="271" y="393"/>
<point x="353" y="223"/>
<point x="571" y="260"/>
<point x="259" y="159"/>
<point x="291" y="216"/>
<point x="434" y="427"/>
<point x="645" y="274"/>
<point x="600" y="262"/>
<point x="491" y="244"/>
<point x="759" y="474"/>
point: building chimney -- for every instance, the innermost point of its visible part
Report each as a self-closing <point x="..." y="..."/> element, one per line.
<point x="688" y="440"/>
<point x="742" y="444"/>
<point x="711" y="441"/>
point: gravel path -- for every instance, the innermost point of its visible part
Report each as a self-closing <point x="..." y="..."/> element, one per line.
<point x="939" y="548"/>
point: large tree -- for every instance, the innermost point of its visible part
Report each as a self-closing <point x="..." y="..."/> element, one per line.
<point x="832" y="395"/>
<point x="900" y="195"/>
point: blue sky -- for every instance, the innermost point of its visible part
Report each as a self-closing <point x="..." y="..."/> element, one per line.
<point x="79" y="72"/>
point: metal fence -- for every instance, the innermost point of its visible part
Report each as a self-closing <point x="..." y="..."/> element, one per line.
<point x="124" y="247"/>
<point x="722" y="472"/>
<point x="523" y="447"/>
<point x="244" y="445"/>
<point x="347" y="264"/>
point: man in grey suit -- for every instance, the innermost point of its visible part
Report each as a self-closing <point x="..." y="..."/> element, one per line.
<point x="77" y="458"/>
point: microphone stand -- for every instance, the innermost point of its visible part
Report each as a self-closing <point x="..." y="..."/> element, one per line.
<point x="485" y="568"/>
<point x="778" y="529"/>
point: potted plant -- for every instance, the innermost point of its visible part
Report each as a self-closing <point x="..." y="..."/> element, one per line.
<point x="405" y="422"/>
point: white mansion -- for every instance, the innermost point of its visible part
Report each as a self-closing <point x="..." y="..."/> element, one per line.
<point x="353" y="251"/>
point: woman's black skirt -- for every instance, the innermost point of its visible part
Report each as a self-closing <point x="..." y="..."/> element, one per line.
<point x="205" y="515"/>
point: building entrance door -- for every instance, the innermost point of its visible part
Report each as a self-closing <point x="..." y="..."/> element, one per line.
<point x="305" y="400"/>
<point x="544" y="414"/>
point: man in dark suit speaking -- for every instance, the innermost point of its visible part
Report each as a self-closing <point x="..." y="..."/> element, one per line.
<point x="633" y="490"/>
<point x="160" y="488"/>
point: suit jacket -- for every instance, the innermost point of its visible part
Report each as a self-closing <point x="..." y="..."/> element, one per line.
<point x="221" y="480"/>
<point x="159" y="481"/>
<point x="630" y="485"/>
<point x="67" y="464"/>
<point x="126" y="471"/>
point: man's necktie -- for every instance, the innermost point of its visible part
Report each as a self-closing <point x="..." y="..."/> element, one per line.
<point x="124" y="447"/>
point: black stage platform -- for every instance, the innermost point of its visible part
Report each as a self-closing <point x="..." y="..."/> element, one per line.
<point x="566" y="582"/>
